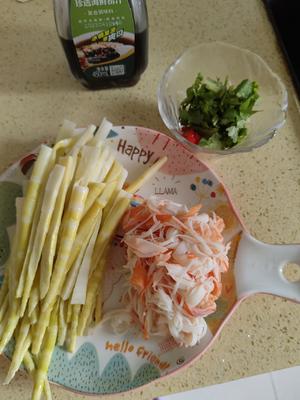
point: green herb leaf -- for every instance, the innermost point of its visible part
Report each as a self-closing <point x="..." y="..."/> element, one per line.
<point x="218" y="111"/>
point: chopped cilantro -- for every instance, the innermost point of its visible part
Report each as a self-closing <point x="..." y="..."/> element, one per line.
<point x="218" y="111"/>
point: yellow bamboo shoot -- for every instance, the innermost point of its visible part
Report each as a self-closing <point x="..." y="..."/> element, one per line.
<point x="39" y="173"/>
<point x="50" y="195"/>
<point x="62" y="323"/>
<point x="148" y="174"/>
<point x="45" y="356"/>
<point x="49" y="249"/>
<point x="73" y="216"/>
<point x="11" y="265"/>
<point x="81" y="278"/>
<point x="95" y="189"/>
<point x="71" y="341"/>
<point x="30" y="368"/>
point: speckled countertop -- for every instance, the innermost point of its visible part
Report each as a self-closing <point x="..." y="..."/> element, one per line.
<point x="37" y="92"/>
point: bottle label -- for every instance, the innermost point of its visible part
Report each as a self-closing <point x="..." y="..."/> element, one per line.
<point x="104" y="38"/>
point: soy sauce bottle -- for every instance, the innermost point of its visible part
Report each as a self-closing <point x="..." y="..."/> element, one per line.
<point x="105" y="41"/>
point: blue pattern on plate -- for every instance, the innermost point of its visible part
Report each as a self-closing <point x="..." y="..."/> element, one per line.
<point x="81" y="372"/>
<point x="112" y="134"/>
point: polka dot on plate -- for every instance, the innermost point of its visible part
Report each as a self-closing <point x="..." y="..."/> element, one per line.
<point x="193" y="187"/>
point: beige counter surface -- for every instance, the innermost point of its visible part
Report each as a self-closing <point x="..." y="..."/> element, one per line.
<point x="37" y="92"/>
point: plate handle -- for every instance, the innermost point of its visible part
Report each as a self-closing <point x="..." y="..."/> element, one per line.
<point x="259" y="268"/>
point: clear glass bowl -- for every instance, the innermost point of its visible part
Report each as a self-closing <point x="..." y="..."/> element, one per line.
<point x="221" y="60"/>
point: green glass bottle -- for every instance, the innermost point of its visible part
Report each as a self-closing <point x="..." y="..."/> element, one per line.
<point x="105" y="41"/>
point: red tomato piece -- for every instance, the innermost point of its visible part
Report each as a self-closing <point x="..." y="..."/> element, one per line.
<point x="191" y="135"/>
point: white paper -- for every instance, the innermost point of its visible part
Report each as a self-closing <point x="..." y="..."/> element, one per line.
<point x="279" y="385"/>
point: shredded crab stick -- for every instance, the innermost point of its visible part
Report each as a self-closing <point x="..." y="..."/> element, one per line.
<point x="175" y="260"/>
<point x="44" y="358"/>
<point x="50" y="195"/>
<point x="49" y="248"/>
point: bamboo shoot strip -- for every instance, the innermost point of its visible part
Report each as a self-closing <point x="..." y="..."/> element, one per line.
<point x="148" y="174"/>
<point x="101" y="163"/>
<point x="49" y="249"/>
<point x="85" y="224"/>
<point x="3" y="308"/>
<point x="48" y="204"/>
<point x="23" y="272"/>
<point x="61" y="266"/>
<point x="88" y="307"/>
<point x="30" y="368"/>
<point x="3" y="323"/>
<point x="95" y="189"/>
<point x="4" y="287"/>
<point x="109" y="226"/>
<point x="11" y="265"/>
<point x="71" y="341"/>
<point x="34" y="315"/>
<point x="39" y="172"/>
<point x="79" y="291"/>
<point x="86" y="136"/>
<point x="10" y="326"/>
<point x="102" y="132"/>
<point x="72" y="274"/>
<point x="87" y="169"/>
<point x="34" y="295"/>
<point x="120" y="184"/>
<point x="106" y="168"/>
<point x="69" y="311"/>
<point x="62" y="145"/>
<point x="45" y="356"/>
<point x="22" y="345"/>
<point x="114" y="172"/>
<point x="39" y="331"/>
<point x="62" y="323"/>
